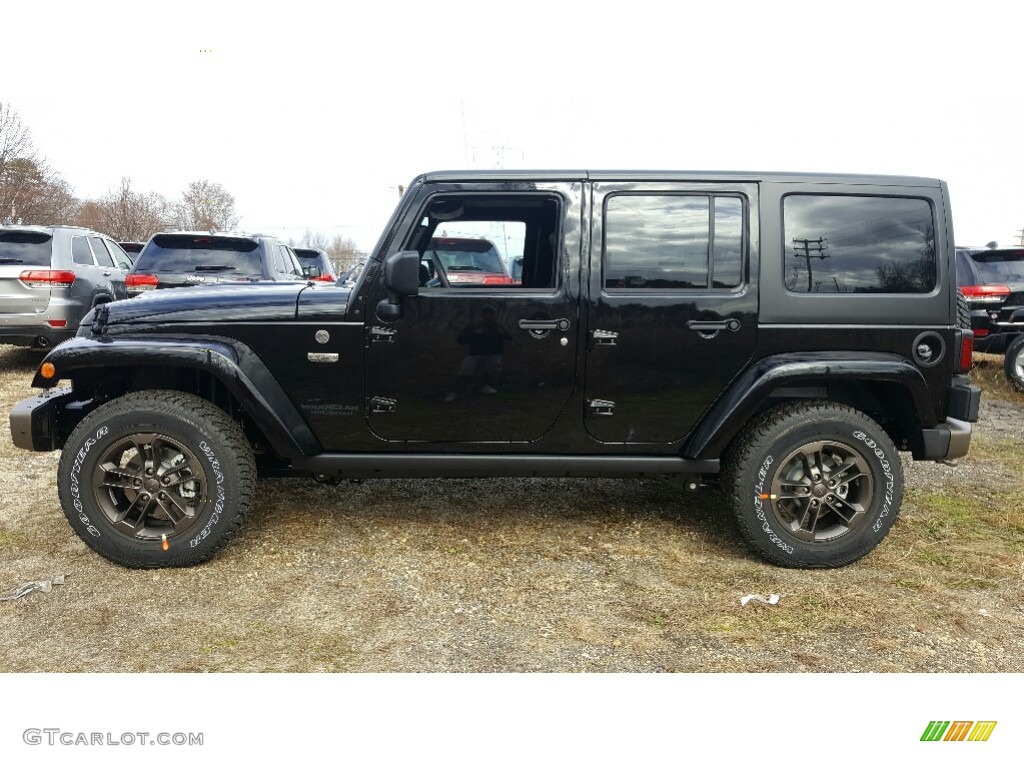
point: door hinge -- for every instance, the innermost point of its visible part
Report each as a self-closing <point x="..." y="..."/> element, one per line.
<point x="604" y="338"/>
<point x="382" y="335"/>
<point x="382" y="404"/>
<point x="602" y="408"/>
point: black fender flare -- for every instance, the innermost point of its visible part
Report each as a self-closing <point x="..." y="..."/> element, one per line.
<point x="730" y="413"/>
<point x="231" y="362"/>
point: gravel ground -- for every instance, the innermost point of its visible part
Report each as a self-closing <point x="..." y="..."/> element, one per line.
<point x="523" y="575"/>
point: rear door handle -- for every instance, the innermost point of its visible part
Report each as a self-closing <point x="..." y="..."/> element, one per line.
<point x="561" y="324"/>
<point x="713" y="326"/>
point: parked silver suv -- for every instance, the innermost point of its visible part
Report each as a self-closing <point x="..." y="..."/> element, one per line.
<point x="50" y="277"/>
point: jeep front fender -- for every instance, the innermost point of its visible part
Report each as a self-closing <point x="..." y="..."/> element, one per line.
<point x="731" y="412"/>
<point x="231" y="362"/>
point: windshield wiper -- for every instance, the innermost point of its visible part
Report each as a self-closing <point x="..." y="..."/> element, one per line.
<point x="212" y="268"/>
<point x="9" y="260"/>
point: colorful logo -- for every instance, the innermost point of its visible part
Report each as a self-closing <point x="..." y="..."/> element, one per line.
<point x="958" y="730"/>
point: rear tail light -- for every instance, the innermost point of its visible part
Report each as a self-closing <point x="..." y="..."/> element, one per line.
<point x="987" y="294"/>
<point x="966" y="351"/>
<point x="57" y="323"/>
<point x="326" y="279"/>
<point x="139" y="283"/>
<point x="36" y="278"/>
<point x="979" y="332"/>
<point x="496" y="280"/>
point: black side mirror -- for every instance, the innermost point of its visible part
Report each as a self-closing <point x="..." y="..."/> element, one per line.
<point x="401" y="280"/>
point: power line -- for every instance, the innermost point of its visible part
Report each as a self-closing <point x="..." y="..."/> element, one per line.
<point x="818" y="249"/>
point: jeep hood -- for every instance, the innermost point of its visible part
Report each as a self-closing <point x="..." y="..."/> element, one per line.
<point x="225" y="303"/>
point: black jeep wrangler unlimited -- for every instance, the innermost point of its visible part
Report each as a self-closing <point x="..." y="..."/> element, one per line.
<point x="784" y="335"/>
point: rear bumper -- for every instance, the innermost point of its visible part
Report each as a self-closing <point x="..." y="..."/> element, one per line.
<point x="30" y="335"/>
<point x="952" y="438"/>
<point x="949" y="440"/>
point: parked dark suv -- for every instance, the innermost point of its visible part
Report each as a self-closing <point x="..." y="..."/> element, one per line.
<point x="133" y="248"/>
<point x="316" y="265"/>
<point x="50" y="277"/>
<point x="788" y="338"/>
<point x="182" y="259"/>
<point x="992" y="280"/>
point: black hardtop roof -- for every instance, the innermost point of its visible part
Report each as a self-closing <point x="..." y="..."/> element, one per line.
<point x="712" y="176"/>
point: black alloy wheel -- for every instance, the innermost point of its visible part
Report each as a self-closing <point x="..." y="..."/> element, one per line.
<point x="149" y="486"/>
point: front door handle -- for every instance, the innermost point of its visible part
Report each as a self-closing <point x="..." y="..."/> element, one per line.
<point x="561" y="324"/>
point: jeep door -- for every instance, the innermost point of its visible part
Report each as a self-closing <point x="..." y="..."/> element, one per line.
<point x="672" y="311"/>
<point x="477" y="356"/>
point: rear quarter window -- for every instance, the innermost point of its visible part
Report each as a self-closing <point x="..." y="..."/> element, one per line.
<point x="858" y="244"/>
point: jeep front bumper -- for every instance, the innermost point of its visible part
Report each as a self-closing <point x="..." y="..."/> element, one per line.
<point x="34" y="420"/>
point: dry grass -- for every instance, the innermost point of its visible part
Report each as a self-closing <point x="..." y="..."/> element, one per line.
<point x="988" y="374"/>
<point x="525" y="575"/>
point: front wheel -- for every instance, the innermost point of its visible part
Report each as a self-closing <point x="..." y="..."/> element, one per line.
<point x="814" y="484"/>
<point x="156" y="479"/>
<point x="1013" y="365"/>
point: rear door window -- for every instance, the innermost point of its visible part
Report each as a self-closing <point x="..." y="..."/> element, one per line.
<point x="673" y="241"/>
<point x="80" y="251"/>
<point x="294" y="268"/>
<point x="121" y="258"/>
<point x="280" y="259"/>
<point x="103" y="257"/>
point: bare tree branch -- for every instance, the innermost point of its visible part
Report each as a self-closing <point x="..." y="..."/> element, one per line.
<point x="205" y="205"/>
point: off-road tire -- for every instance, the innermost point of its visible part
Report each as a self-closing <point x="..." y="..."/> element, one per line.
<point x="179" y="425"/>
<point x="766" y="459"/>
<point x="1013" y="364"/>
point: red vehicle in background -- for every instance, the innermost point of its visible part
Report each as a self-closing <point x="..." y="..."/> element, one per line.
<point x="316" y="265"/>
<point x="458" y="261"/>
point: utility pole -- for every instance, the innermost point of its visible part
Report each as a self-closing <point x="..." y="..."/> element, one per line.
<point x="818" y="249"/>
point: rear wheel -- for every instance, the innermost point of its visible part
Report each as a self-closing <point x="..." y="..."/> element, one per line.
<point x="1013" y="365"/>
<point x="156" y="479"/>
<point x="814" y="484"/>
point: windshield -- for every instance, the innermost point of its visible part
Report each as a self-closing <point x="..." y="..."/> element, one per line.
<point x="467" y="255"/>
<point x="238" y="256"/>
<point x="31" y="248"/>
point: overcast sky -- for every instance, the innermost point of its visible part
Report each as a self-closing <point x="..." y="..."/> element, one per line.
<point x="312" y="115"/>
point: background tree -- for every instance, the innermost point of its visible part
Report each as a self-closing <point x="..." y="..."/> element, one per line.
<point x="205" y="205"/>
<point x="29" y="191"/>
<point x="126" y="214"/>
<point x="342" y="250"/>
